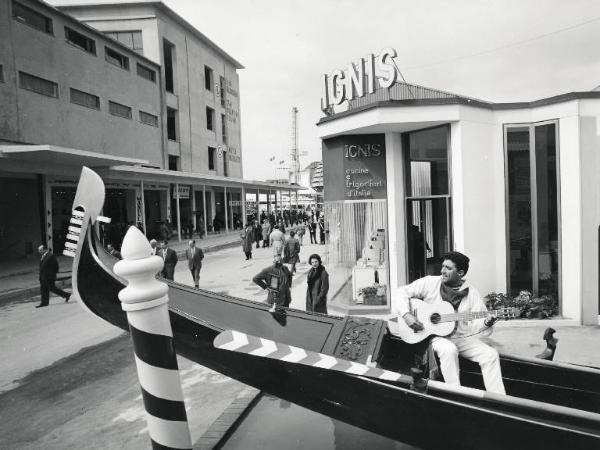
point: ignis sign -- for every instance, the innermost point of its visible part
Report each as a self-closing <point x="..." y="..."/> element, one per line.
<point x="359" y="78"/>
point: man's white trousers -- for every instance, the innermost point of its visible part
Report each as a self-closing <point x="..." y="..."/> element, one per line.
<point x="473" y="349"/>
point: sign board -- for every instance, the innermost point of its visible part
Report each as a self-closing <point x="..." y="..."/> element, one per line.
<point x="354" y="167"/>
<point x="359" y="78"/>
<point x="184" y="192"/>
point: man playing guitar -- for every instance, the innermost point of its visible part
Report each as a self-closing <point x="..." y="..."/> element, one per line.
<point x="453" y="288"/>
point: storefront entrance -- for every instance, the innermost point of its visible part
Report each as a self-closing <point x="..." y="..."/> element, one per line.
<point x="428" y="235"/>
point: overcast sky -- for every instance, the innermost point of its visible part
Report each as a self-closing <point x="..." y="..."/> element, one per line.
<point x="497" y="50"/>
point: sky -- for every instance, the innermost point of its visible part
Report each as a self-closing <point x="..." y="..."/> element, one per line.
<point x="495" y="50"/>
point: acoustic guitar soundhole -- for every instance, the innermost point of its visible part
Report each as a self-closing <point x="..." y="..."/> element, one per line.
<point x="435" y="318"/>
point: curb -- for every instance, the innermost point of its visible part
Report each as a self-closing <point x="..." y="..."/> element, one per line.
<point x="214" y="248"/>
<point x="226" y="423"/>
<point x="25" y="293"/>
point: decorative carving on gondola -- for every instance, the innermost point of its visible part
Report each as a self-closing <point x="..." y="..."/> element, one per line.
<point x="356" y="338"/>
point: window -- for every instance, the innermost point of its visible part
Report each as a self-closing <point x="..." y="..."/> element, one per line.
<point x="211" y="158"/>
<point x="222" y="90"/>
<point x="146" y="73"/>
<point x="37" y="84"/>
<point x="224" y="128"/>
<point x="532" y="208"/>
<point x="210" y="118"/>
<point x="171" y="124"/>
<point x="1" y="74"/>
<point x="208" y="78"/>
<point x="79" y="40"/>
<point x="428" y="200"/>
<point x="84" y="99"/>
<point x="132" y="39"/>
<point x="168" y="56"/>
<point x="116" y="58"/>
<point x="225" y="171"/>
<point x="116" y="109"/>
<point x="173" y="162"/>
<point x="148" y="119"/>
<point x="31" y="17"/>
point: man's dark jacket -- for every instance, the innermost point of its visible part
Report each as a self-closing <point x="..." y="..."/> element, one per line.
<point x="48" y="267"/>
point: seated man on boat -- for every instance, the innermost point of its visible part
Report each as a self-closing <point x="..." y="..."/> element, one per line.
<point x="450" y="287"/>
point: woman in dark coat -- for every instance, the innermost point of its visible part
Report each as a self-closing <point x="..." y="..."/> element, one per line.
<point x="318" y="285"/>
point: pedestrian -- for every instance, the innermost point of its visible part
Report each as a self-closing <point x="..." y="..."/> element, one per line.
<point x="257" y="233"/>
<point x="153" y="248"/>
<point x="48" y="271"/>
<point x="247" y="239"/>
<point x="169" y="257"/>
<point x="277" y="279"/>
<point x="312" y="229"/>
<point x="291" y="251"/>
<point x="201" y="226"/>
<point x="113" y="251"/>
<point x="300" y="230"/>
<point x="322" y="229"/>
<point x="266" y="231"/>
<point x="164" y="230"/>
<point x="318" y="285"/>
<point x="276" y="239"/>
<point x="194" y="256"/>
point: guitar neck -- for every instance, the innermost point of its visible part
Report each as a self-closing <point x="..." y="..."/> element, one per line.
<point x="466" y="316"/>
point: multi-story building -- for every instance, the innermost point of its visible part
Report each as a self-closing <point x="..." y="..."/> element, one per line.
<point x="152" y="107"/>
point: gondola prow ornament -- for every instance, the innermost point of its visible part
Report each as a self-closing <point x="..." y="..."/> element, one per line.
<point x="145" y="301"/>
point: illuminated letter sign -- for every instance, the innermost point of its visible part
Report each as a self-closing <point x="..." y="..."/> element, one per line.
<point x="359" y="78"/>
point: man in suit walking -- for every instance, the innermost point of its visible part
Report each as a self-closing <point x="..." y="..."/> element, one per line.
<point x="169" y="257"/>
<point x="194" y="258"/>
<point x="48" y="271"/>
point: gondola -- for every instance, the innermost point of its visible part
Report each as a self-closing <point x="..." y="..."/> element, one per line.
<point x="551" y="404"/>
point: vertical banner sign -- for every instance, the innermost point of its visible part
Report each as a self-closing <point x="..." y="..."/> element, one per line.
<point x="354" y="167"/>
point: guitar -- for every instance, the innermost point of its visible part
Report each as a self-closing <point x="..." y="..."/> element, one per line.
<point x="439" y="319"/>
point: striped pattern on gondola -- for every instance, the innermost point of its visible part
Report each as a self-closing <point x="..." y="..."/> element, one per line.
<point x="244" y="343"/>
<point x="158" y="373"/>
<point x="73" y="233"/>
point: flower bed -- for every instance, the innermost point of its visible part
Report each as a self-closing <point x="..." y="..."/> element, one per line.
<point x="531" y="307"/>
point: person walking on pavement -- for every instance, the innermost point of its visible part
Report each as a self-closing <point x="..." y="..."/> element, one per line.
<point x="318" y="286"/>
<point x="312" y="229"/>
<point x="169" y="257"/>
<point x="247" y="239"/>
<point x="277" y="279"/>
<point x="194" y="256"/>
<point x="257" y="233"/>
<point x="48" y="271"/>
<point x="291" y="251"/>
<point x="276" y="239"/>
<point x="266" y="231"/>
<point x="322" y="229"/>
<point x="153" y="248"/>
<point x="300" y="230"/>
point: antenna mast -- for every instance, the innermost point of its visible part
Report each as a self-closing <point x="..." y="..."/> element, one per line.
<point x="294" y="156"/>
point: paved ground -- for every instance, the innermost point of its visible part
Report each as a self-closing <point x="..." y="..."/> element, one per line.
<point x="68" y="380"/>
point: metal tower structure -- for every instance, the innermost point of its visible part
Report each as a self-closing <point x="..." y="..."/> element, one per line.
<point x="294" y="153"/>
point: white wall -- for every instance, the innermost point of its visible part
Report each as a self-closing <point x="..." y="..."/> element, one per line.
<point x="475" y="225"/>
<point x="396" y="210"/>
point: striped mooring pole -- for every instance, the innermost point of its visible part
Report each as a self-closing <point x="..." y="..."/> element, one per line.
<point x="145" y="301"/>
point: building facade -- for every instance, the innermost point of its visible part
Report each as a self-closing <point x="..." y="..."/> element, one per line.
<point x="134" y="104"/>
<point x="512" y="185"/>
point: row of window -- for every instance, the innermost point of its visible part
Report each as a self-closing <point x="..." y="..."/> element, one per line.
<point x="39" y="21"/>
<point x="50" y="89"/>
<point x="209" y="81"/>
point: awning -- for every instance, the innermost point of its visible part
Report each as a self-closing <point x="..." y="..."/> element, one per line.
<point x="175" y="176"/>
<point x="63" y="155"/>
